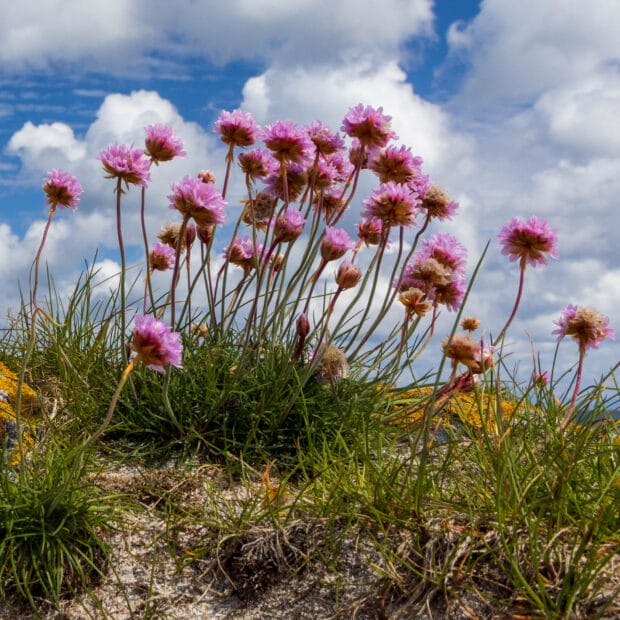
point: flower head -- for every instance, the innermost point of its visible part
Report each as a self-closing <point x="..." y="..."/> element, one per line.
<point x="161" y="144"/>
<point x="393" y="204"/>
<point x="586" y="326"/>
<point x="161" y="257"/>
<point x="348" y="275"/>
<point x="415" y="302"/>
<point x="237" y="128"/>
<point x="288" y="227"/>
<point x="528" y="242"/>
<point x="470" y="323"/>
<point x="395" y="164"/>
<point x="371" y="127"/>
<point x="332" y="365"/>
<point x="287" y="142"/>
<point x="155" y="344"/>
<point x="369" y="231"/>
<point x="335" y="244"/>
<point x="258" y="211"/>
<point x="241" y="253"/>
<point x="62" y="190"/>
<point x="446" y="249"/>
<point x="201" y="201"/>
<point x="122" y="162"/>
<point x="465" y="350"/>
<point x="437" y="204"/>
<point x="325" y="142"/>
<point x="257" y="163"/>
<point x="169" y="235"/>
<point x="296" y="180"/>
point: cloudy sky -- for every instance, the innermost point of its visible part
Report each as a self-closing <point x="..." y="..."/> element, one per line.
<point x="513" y="106"/>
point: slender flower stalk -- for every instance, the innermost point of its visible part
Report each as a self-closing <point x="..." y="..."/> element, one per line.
<point x="589" y="329"/>
<point x="529" y="242"/>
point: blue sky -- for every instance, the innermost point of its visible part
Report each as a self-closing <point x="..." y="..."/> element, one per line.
<point x="512" y="105"/>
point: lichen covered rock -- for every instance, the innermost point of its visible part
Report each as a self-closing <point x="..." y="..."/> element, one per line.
<point x="8" y="423"/>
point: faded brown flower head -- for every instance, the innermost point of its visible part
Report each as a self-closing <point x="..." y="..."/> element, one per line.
<point x="169" y="234"/>
<point x="415" y="302"/>
<point x="437" y="203"/>
<point x="431" y="272"/>
<point x="333" y="365"/>
<point x="470" y="323"/>
<point x="465" y="350"/>
<point x="259" y="211"/>
<point x="206" y="176"/>
<point x="199" y="329"/>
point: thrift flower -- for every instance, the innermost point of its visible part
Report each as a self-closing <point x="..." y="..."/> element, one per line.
<point x="325" y="142"/>
<point x="465" y="350"/>
<point x="287" y="142"/>
<point x="288" y="227"/>
<point x="161" y="144"/>
<point x="61" y="190"/>
<point x="169" y="235"/>
<point x="335" y="243"/>
<point x="393" y="204"/>
<point x="296" y="181"/>
<point x="348" y="275"/>
<point x="201" y="201"/>
<point x="161" y="257"/>
<point x="237" y="128"/>
<point x="371" y="127"/>
<point x="257" y="163"/>
<point x="122" y="162"/>
<point x="155" y="344"/>
<point x="528" y="242"/>
<point x="586" y="326"/>
<point x="395" y="164"/>
<point x="415" y="302"/>
<point x="259" y="211"/>
<point x="206" y="176"/>
<point x="241" y="253"/>
<point x="446" y="249"/>
<point x="437" y="204"/>
<point x="333" y="365"/>
<point x="369" y="231"/>
<point x="470" y="323"/>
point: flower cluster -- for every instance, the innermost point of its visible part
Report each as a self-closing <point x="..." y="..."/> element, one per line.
<point x="586" y="326"/>
<point x="126" y="164"/>
<point x="155" y="344"/>
<point x="201" y="201"/>
<point x="161" y="144"/>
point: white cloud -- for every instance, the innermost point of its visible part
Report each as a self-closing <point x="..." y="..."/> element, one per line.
<point x="519" y="50"/>
<point x="121" y="36"/>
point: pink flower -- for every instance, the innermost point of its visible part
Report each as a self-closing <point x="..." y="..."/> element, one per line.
<point x="341" y="164"/>
<point x="161" y="144"/>
<point x="324" y="140"/>
<point x="348" y="275"/>
<point x="201" y="201"/>
<point x="155" y="344"/>
<point x="129" y="165"/>
<point x="528" y="242"/>
<point x="450" y="295"/>
<point x="241" y="253"/>
<point x="371" y="127"/>
<point x="369" y="231"/>
<point x="335" y="244"/>
<point x="62" y="190"/>
<point x="393" y="204"/>
<point x="586" y="326"/>
<point x="288" y="227"/>
<point x="395" y="164"/>
<point x="237" y="128"/>
<point x="161" y="257"/>
<point x="287" y="142"/>
<point x="325" y="174"/>
<point x="257" y="163"/>
<point x="445" y="249"/>
<point x="437" y="204"/>
<point x="296" y="181"/>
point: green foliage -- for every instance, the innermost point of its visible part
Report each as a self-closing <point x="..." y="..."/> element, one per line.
<point x="52" y="528"/>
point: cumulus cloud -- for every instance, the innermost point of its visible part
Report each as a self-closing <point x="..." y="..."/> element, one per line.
<point x="123" y="36"/>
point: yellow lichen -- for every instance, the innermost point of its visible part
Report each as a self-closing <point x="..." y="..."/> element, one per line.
<point x="477" y="410"/>
<point x="29" y="405"/>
